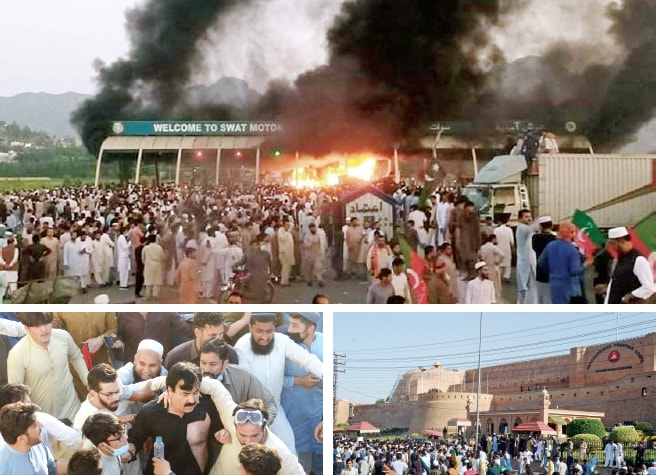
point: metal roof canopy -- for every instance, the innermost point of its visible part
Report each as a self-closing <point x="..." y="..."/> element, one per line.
<point x="179" y="142"/>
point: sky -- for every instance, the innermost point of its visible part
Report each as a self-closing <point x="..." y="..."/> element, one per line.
<point x="52" y="46"/>
<point x="55" y="46"/>
<point x="381" y="347"/>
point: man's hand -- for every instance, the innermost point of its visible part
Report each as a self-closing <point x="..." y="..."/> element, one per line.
<point x="308" y="381"/>
<point x="94" y="344"/>
<point x="161" y="467"/>
<point x="223" y="436"/>
<point x="127" y="418"/>
<point x="318" y="433"/>
<point x="145" y="395"/>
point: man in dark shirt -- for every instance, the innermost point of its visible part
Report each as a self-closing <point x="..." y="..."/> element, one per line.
<point x="184" y="426"/>
<point x="539" y="242"/>
<point x="208" y="325"/>
<point x="159" y="326"/>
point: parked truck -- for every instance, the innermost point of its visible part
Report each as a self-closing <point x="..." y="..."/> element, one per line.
<point x="615" y="190"/>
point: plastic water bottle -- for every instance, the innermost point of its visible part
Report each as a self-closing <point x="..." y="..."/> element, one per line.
<point x="158" y="448"/>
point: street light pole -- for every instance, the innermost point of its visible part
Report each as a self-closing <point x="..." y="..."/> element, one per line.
<point x="478" y="389"/>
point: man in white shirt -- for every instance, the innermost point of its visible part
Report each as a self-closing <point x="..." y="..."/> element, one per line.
<point x="263" y="353"/>
<point x="481" y="289"/>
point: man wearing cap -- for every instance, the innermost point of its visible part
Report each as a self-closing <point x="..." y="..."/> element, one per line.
<point x="561" y="261"/>
<point x="632" y="280"/>
<point x="302" y="393"/>
<point x="264" y="353"/>
<point x="480" y="290"/>
<point x="539" y="243"/>
<point x="146" y="366"/>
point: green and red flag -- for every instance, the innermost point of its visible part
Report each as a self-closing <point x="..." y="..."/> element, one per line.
<point x="589" y="237"/>
<point x="415" y="266"/>
<point x="643" y="235"/>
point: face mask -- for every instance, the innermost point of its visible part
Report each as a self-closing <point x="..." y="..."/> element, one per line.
<point x="296" y="337"/>
<point x="121" y="450"/>
<point x="220" y="377"/>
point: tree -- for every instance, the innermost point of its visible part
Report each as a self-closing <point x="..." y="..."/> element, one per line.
<point x="624" y="435"/>
<point x="380" y="401"/>
<point x="645" y="427"/>
<point x="586" y="426"/>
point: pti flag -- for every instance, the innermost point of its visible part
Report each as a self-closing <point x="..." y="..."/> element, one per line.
<point x="589" y="237"/>
<point x="415" y="266"/>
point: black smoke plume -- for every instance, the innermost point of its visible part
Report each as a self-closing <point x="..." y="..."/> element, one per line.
<point x="395" y="65"/>
<point x="630" y="100"/>
<point x="610" y="101"/>
<point x="164" y="37"/>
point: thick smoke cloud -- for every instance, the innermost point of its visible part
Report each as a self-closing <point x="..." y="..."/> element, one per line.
<point x="165" y="37"/>
<point x="611" y="94"/>
<point x="394" y="66"/>
<point x="630" y="100"/>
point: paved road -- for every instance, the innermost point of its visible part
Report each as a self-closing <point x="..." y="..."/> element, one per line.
<point x="339" y="291"/>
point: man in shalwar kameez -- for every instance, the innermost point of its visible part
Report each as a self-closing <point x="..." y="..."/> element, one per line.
<point x="41" y="361"/>
<point x="526" y="265"/>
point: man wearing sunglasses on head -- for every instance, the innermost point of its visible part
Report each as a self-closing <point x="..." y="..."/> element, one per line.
<point x="247" y="423"/>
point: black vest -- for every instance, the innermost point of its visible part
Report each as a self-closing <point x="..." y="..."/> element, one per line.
<point x="624" y="280"/>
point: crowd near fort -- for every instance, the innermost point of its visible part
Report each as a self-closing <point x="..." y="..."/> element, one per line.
<point x="156" y="393"/>
<point x="494" y="454"/>
<point x="144" y="239"/>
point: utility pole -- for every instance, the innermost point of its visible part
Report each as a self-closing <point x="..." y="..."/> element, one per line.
<point x="336" y="364"/>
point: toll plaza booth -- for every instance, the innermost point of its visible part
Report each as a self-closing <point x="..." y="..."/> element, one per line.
<point x="195" y="152"/>
<point x="368" y="204"/>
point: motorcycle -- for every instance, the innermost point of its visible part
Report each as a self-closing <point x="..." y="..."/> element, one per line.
<point x="239" y="283"/>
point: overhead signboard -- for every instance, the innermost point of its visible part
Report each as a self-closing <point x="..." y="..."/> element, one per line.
<point x="194" y="128"/>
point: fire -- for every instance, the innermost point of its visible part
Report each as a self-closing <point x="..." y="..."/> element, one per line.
<point x="360" y="166"/>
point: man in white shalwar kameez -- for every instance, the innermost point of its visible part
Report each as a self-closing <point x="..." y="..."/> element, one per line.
<point x="480" y="290"/>
<point x="123" y="265"/>
<point x="506" y="242"/>
<point x="207" y="266"/>
<point x="263" y="353"/>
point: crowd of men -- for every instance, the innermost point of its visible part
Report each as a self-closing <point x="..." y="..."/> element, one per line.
<point x="494" y="454"/>
<point x="459" y="258"/>
<point x="153" y="393"/>
<point x="192" y="239"/>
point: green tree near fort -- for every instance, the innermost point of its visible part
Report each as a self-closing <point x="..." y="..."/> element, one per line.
<point x="624" y="435"/>
<point x="586" y="426"/>
<point x="591" y="441"/>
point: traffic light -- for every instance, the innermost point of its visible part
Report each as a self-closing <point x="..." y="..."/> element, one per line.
<point x="198" y="156"/>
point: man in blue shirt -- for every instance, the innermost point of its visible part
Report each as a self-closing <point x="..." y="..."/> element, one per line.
<point x="25" y="452"/>
<point x="302" y="395"/>
<point x="562" y="262"/>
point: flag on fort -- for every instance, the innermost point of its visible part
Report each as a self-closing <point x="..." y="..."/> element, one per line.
<point x="588" y="237"/>
<point x="415" y="267"/>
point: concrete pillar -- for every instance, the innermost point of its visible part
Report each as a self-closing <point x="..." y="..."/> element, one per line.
<point x="257" y="166"/>
<point x="178" y="163"/>
<point x="138" y="172"/>
<point x="218" y="165"/>
<point x="98" y="163"/>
